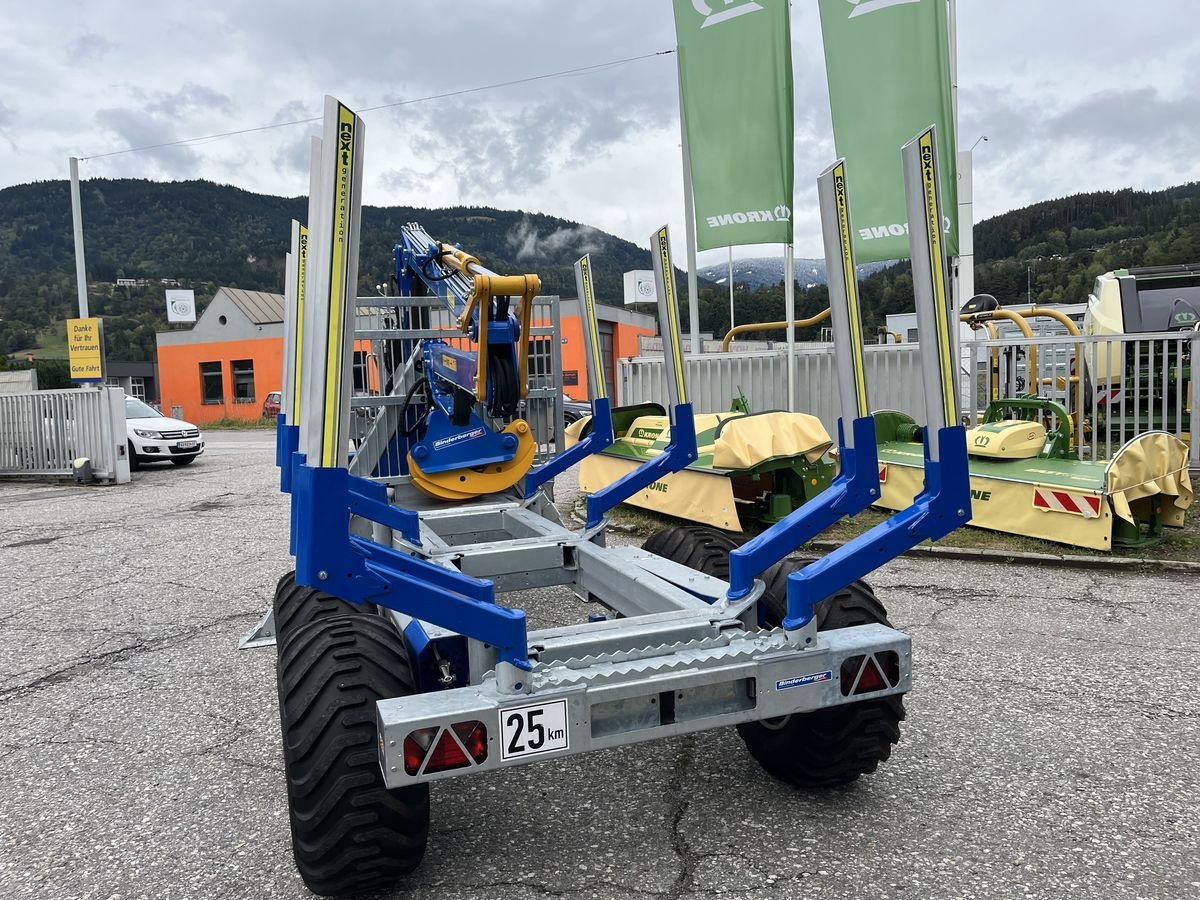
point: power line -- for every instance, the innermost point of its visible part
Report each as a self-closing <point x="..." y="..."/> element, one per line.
<point x="443" y="96"/>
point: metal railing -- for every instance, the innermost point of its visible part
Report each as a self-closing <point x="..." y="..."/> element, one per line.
<point x="386" y="355"/>
<point x="715" y="379"/>
<point x="1129" y="384"/>
<point x="43" y="432"/>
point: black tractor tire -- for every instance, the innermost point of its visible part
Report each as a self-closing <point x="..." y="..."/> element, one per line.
<point x="821" y="749"/>
<point x="183" y="460"/>
<point x="350" y="833"/>
<point x="296" y="606"/>
<point x="698" y="547"/>
<point x="834" y="746"/>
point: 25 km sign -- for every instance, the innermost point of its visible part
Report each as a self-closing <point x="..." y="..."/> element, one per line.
<point x="528" y="730"/>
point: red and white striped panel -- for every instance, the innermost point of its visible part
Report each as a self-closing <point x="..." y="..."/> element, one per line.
<point x="1061" y="501"/>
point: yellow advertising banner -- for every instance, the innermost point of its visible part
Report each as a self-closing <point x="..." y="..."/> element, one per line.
<point x="85" y="348"/>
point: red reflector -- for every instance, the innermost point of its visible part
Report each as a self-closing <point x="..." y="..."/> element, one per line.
<point x="416" y="745"/>
<point x="446" y="755"/>
<point x="474" y="737"/>
<point x="871" y="679"/>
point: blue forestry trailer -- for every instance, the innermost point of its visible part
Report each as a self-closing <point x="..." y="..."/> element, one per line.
<point x="402" y="657"/>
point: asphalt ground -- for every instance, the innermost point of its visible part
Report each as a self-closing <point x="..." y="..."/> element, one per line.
<point x="1052" y="747"/>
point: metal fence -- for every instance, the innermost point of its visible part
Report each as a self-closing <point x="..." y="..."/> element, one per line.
<point x="386" y="354"/>
<point x="1126" y="384"/>
<point x="20" y="382"/>
<point x="43" y="432"/>
<point x="715" y="379"/>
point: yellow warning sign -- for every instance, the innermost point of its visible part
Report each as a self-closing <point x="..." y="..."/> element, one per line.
<point x="85" y="348"/>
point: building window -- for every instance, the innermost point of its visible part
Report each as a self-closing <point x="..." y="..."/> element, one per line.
<point x="212" y="389"/>
<point x="243" y="380"/>
<point x="360" y="372"/>
<point x="137" y="387"/>
<point x="912" y="335"/>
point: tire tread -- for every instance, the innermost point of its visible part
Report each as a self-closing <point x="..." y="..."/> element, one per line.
<point x="350" y="833"/>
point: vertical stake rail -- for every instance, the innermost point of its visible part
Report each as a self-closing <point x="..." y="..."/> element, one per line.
<point x="308" y="348"/>
<point x="857" y="484"/>
<point x="668" y="318"/>
<point x="600" y="434"/>
<point x="597" y="389"/>
<point x="930" y="284"/>
<point x="330" y="285"/>
<point x="945" y="502"/>
<point x="288" y="419"/>
<point x="682" y="447"/>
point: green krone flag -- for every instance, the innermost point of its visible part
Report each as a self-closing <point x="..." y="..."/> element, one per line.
<point x="735" y="76"/>
<point x="888" y="64"/>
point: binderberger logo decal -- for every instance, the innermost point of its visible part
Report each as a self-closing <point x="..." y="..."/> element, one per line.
<point x="458" y="438"/>
<point x="726" y="10"/>
<point x="863" y="7"/>
<point x="804" y="680"/>
<point x="780" y="213"/>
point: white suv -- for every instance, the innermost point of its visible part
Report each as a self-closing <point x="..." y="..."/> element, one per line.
<point x="152" y="436"/>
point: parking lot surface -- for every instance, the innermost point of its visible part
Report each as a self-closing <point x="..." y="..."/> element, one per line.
<point x="1052" y="747"/>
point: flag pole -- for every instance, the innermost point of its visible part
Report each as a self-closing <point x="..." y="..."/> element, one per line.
<point x="789" y="307"/>
<point x="731" y="322"/>
<point x="77" y="228"/>
<point x="689" y="214"/>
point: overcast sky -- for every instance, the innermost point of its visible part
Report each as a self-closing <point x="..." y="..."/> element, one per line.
<point x="1074" y="95"/>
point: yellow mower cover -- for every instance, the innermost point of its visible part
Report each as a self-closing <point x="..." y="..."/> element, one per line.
<point x="730" y="445"/>
<point x="1068" y="501"/>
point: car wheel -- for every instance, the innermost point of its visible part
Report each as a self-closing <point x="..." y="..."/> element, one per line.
<point x="134" y="462"/>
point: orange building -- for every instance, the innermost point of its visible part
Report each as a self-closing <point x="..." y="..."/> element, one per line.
<point x="227" y="363"/>
<point x="619" y="333"/>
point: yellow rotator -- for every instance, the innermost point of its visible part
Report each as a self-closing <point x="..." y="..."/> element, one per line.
<point x="467" y="484"/>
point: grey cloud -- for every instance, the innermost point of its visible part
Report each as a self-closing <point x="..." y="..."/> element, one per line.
<point x="137" y="129"/>
<point x="1129" y="117"/>
<point x="527" y="242"/>
<point x="190" y="98"/>
<point x="8" y="116"/>
<point x="293" y="157"/>
<point x="88" y="47"/>
<point x="1082" y="145"/>
<point x="515" y="147"/>
<point x="295" y="111"/>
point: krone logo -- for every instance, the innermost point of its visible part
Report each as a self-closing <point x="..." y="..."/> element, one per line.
<point x="780" y="213"/>
<point x="862" y="7"/>
<point x="731" y="10"/>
